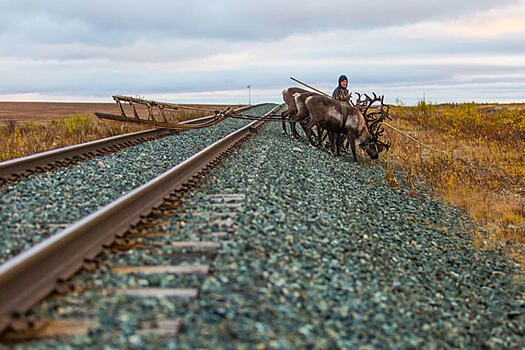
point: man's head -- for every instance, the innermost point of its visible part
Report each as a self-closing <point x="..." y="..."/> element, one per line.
<point x="343" y="81"/>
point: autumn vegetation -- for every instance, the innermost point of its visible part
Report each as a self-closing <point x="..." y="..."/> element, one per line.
<point x="472" y="156"/>
<point x="19" y="139"/>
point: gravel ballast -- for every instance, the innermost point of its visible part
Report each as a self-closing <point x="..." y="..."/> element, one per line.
<point x="321" y="253"/>
<point x="36" y="207"/>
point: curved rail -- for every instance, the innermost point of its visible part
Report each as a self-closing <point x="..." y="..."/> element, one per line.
<point x="33" y="274"/>
<point x="18" y="166"/>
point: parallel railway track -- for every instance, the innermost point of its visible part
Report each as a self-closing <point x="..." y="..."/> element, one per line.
<point x="16" y="169"/>
<point x="30" y="276"/>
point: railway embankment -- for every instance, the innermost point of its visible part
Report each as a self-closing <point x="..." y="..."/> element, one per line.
<point x="313" y="251"/>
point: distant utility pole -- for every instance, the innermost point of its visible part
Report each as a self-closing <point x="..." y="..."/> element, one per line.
<point x="249" y="87"/>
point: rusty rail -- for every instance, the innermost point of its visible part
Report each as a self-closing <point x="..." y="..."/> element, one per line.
<point x="33" y="274"/>
<point x="158" y="114"/>
<point x="17" y="166"/>
<point x="32" y="163"/>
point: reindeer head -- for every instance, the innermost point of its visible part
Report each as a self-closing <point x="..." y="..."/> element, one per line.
<point x="370" y="148"/>
<point x="373" y="147"/>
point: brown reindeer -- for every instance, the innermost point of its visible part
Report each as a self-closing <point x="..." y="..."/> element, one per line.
<point x="338" y="118"/>
<point x="303" y="115"/>
<point x="289" y="99"/>
<point x="374" y="116"/>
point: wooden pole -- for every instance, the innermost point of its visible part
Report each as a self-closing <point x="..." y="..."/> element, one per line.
<point x="311" y="87"/>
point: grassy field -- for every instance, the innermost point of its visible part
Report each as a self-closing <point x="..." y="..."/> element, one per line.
<point x="473" y="158"/>
<point x="28" y="128"/>
<point x="26" y="138"/>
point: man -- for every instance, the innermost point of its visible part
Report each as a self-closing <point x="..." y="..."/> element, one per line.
<point x="341" y="93"/>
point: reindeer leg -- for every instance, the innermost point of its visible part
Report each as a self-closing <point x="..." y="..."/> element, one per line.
<point x="309" y="135"/>
<point x="351" y="140"/>
<point x="303" y="126"/>
<point x="308" y="128"/>
<point x="333" y="143"/>
<point x="324" y="134"/>
<point x="294" y="132"/>
<point x="330" y="137"/>
<point x="336" y="144"/>
<point x="320" y="131"/>
<point x="340" y="141"/>
<point x="283" y="116"/>
<point x="346" y="143"/>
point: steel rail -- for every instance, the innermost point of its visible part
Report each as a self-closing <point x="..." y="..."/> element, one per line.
<point x="13" y="167"/>
<point x="274" y="117"/>
<point x="33" y="274"/>
<point x="16" y="166"/>
<point x="206" y="118"/>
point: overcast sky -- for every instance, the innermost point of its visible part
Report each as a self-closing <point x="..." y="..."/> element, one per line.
<point x="209" y="51"/>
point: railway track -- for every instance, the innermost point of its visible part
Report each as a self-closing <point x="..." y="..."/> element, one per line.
<point x="13" y="170"/>
<point x="16" y="169"/>
<point x="284" y="246"/>
<point x="46" y="267"/>
<point x="35" y="207"/>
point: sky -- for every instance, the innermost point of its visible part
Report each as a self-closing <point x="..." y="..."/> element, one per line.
<point x="204" y="51"/>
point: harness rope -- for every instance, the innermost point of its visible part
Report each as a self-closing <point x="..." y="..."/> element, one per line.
<point x="412" y="138"/>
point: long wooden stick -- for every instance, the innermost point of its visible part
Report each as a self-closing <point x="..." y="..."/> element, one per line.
<point x="311" y="87"/>
<point x="384" y="123"/>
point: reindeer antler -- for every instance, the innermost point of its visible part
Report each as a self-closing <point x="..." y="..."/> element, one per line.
<point x="370" y="101"/>
<point x="375" y="118"/>
<point x="387" y="144"/>
<point x="350" y="100"/>
<point x="359" y="103"/>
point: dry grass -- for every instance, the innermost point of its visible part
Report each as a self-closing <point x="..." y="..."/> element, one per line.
<point x="476" y="163"/>
<point x="23" y="139"/>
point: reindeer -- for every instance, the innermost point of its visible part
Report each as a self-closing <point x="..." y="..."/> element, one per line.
<point x="338" y="118"/>
<point x="302" y="115"/>
<point x="289" y="99"/>
<point x="373" y="117"/>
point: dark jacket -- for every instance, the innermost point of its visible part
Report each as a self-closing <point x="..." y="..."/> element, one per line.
<point x="341" y="94"/>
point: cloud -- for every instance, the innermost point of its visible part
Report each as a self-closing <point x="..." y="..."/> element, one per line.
<point x="111" y="23"/>
<point x="204" y="48"/>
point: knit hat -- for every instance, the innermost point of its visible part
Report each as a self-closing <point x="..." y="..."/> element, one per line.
<point x="341" y="78"/>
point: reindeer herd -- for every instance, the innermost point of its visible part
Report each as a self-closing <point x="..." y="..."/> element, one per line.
<point x="359" y="122"/>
